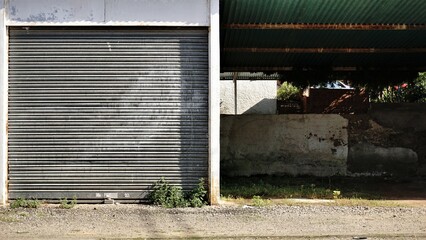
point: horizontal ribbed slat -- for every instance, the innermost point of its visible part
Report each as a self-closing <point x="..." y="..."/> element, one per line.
<point x="94" y="112"/>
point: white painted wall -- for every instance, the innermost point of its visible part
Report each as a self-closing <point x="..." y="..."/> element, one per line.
<point x="3" y="109"/>
<point x="55" y="11"/>
<point x="253" y="97"/>
<point x="170" y="12"/>
<point x="214" y="104"/>
<point x="109" y="12"/>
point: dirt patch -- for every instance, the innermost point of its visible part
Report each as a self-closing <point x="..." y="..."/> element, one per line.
<point x="362" y="128"/>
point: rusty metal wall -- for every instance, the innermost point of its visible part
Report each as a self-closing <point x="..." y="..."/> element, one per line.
<point x="105" y="112"/>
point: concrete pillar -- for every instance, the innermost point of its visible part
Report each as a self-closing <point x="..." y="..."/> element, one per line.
<point x="214" y="104"/>
<point x="3" y="106"/>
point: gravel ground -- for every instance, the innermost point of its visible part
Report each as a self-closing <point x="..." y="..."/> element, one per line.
<point x="218" y="222"/>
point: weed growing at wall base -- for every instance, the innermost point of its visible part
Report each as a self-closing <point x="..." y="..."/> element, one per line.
<point x="25" y="203"/>
<point x="197" y="197"/>
<point x="273" y="187"/>
<point x="67" y="204"/>
<point x="259" y="202"/>
<point x="169" y="196"/>
<point x="166" y="195"/>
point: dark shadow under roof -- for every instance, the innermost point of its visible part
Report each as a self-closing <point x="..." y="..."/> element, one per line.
<point x="268" y="35"/>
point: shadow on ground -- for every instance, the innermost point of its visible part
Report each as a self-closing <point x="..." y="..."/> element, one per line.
<point x="373" y="188"/>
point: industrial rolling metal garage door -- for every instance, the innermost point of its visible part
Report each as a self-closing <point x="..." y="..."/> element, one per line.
<point x="106" y="112"/>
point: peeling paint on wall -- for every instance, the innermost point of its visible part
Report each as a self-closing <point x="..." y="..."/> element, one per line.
<point x="55" y="10"/>
<point x="111" y="12"/>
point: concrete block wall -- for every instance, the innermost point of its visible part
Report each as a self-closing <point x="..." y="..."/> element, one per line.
<point x="297" y="144"/>
<point x="389" y="140"/>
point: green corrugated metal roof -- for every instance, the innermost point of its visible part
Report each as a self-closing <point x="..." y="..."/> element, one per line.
<point x="324" y="11"/>
<point x="407" y="12"/>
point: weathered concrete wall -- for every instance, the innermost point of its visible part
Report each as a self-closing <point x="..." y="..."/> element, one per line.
<point x="253" y="97"/>
<point x="385" y="141"/>
<point x="109" y="12"/>
<point x="312" y="144"/>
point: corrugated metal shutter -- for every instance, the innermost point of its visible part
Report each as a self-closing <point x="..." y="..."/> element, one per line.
<point x="97" y="113"/>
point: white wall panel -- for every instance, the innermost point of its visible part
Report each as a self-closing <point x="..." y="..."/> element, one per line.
<point x="253" y="97"/>
<point x="109" y="12"/>
<point x="160" y="12"/>
<point x="3" y="109"/>
<point x="56" y="11"/>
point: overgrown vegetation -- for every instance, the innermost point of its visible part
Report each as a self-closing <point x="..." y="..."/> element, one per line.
<point x="170" y="196"/>
<point x="299" y="187"/>
<point x="197" y="197"/>
<point x="302" y="202"/>
<point x="274" y="191"/>
<point x="25" y="203"/>
<point x="414" y="91"/>
<point x="384" y="86"/>
<point x="68" y="204"/>
<point x="288" y="91"/>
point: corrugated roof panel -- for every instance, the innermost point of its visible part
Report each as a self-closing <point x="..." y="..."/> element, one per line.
<point x="324" y="11"/>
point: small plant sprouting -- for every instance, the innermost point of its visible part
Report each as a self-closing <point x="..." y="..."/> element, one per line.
<point x="197" y="197"/>
<point x="25" y="203"/>
<point x="169" y="196"/>
<point x="257" y="201"/>
<point x="336" y="194"/>
<point x="67" y="204"/>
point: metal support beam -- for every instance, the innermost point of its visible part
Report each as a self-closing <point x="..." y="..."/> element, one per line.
<point x="235" y="93"/>
<point x="326" y="50"/>
<point x="310" y="26"/>
<point x="335" y="69"/>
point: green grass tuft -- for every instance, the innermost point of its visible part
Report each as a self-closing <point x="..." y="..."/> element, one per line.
<point x="25" y="203"/>
<point x="66" y="204"/>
